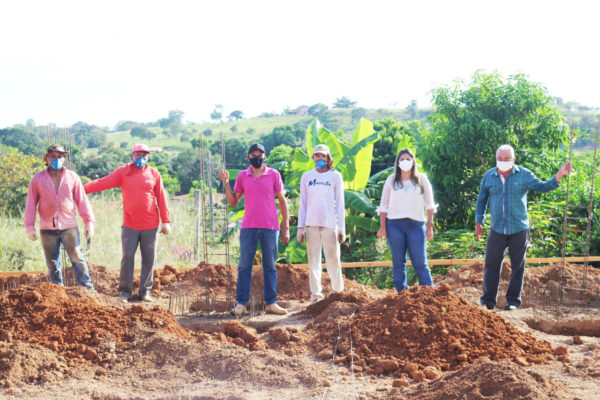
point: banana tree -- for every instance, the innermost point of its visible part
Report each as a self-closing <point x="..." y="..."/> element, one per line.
<point x="353" y="161"/>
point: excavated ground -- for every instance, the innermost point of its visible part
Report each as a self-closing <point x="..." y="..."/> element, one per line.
<point x="429" y="343"/>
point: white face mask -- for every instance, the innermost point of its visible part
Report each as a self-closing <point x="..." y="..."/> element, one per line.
<point x="504" y="165"/>
<point x="405" y="165"/>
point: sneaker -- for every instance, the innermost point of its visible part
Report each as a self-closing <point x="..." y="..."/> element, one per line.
<point x="316" y="297"/>
<point x="510" y="307"/>
<point x="275" y="309"/>
<point x="146" y="297"/>
<point x="124" y="298"/>
<point x="239" y="309"/>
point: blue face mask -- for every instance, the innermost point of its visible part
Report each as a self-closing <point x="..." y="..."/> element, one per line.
<point x="140" y="162"/>
<point x="320" y="163"/>
<point x="57" y="164"/>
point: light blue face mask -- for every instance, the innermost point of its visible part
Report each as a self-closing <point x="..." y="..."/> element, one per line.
<point x="140" y="162"/>
<point x="320" y="163"/>
<point x="57" y="163"/>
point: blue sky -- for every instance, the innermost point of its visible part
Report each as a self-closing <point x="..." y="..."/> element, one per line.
<point x="102" y="62"/>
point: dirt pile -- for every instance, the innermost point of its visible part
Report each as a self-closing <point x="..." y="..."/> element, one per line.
<point x="217" y="279"/>
<point x="76" y="327"/>
<point x="489" y="381"/>
<point x="541" y="285"/>
<point x="421" y="331"/>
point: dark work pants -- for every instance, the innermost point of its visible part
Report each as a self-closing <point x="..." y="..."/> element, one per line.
<point x="495" y="250"/>
<point x="130" y="239"/>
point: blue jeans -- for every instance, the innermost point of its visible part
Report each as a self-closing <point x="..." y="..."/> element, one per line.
<point x="51" y="240"/>
<point x="249" y="238"/>
<point x="495" y="249"/>
<point x="407" y="234"/>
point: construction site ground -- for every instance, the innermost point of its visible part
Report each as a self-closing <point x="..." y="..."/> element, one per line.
<point x="363" y="343"/>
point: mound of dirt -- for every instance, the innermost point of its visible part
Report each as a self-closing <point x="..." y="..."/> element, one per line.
<point x="541" y="285"/>
<point x="490" y="381"/>
<point x="419" y="332"/>
<point x="77" y="327"/>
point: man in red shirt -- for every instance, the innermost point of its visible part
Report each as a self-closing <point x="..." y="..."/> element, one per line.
<point x="144" y="202"/>
<point x="57" y="193"/>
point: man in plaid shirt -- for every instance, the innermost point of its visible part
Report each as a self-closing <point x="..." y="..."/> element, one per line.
<point x="505" y="187"/>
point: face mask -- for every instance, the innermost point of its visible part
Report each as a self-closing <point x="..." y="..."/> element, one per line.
<point x="140" y="162"/>
<point x="256" y="162"/>
<point x="405" y="165"/>
<point x="57" y="164"/>
<point x="504" y="165"/>
<point x="320" y="163"/>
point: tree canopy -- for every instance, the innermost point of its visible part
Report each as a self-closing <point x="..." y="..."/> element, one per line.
<point x="471" y="120"/>
<point x="344" y="102"/>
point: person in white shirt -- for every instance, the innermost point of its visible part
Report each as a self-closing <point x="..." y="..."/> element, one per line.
<point x="406" y="196"/>
<point x="321" y="220"/>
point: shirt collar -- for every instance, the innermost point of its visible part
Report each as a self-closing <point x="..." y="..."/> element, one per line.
<point x="249" y="170"/>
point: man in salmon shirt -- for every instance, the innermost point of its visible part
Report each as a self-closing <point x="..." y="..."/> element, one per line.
<point x="144" y="202"/>
<point x="259" y="185"/>
<point x="57" y="193"/>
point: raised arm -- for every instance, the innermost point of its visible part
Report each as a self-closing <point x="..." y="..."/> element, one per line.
<point x="232" y="198"/>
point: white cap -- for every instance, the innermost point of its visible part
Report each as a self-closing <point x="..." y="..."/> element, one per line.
<point x="321" y="148"/>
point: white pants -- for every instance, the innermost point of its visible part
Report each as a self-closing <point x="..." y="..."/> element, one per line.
<point x="317" y="236"/>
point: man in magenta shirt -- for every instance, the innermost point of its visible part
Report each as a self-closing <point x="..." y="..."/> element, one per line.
<point x="259" y="185"/>
<point x="56" y="193"/>
<point x="144" y="202"/>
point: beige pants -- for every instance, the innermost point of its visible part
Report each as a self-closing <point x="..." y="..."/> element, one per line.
<point x="317" y="236"/>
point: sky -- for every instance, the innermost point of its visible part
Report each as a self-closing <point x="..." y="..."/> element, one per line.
<point x="107" y="61"/>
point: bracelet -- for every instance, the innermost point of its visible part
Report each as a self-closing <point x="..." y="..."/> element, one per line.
<point x="430" y="223"/>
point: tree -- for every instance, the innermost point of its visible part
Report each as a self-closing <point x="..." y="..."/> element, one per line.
<point x="125" y="125"/>
<point x="25" y="141"/>
<point x="412" y="109"/>
<point x="343" y="102"/>
<point x="236" y="115"/>
<point x="187" y="168"/>
<point x="108" y="159"/>
<point x="175" y="117"/>
<point x="393" y="136"/>
<point x="316" y="110"/>
<point x="236" y="152"/>
<point x="471" y="121"/>
<point x="217" y="113"/>
<point x="289" y="135"/>
<point x="16" y="170"/>
<point x="139" y="131"/>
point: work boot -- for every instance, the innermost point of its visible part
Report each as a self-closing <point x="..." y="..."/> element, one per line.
<point x="275" y="309"/>
<point x="239" y="309"/>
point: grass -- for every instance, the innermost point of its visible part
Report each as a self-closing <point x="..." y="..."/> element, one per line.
<point x="17" y="253"/>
